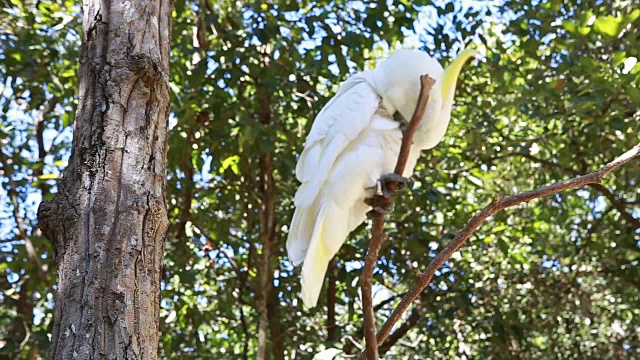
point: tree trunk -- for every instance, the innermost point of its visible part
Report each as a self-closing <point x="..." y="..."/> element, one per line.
<point x="109" y="218"/>
<point x="267" y="303"/>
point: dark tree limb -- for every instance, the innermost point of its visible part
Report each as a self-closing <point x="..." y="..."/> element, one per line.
<point x="424" y="278"/>
<point x="377" y="233"/>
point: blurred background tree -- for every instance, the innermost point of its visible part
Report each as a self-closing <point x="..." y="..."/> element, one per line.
<point x="557" y="95"/>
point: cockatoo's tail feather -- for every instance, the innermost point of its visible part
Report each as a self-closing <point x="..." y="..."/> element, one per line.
<point x="302" y="224"/>
<point x="328" y="235"/>
<point x="315" y="267"/>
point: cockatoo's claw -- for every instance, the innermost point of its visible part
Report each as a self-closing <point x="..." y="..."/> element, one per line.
<point x="400" y="182"/>
<point x="400" y="119"/>
<point x="380" y="204"/>
<point x="377" y="189"/>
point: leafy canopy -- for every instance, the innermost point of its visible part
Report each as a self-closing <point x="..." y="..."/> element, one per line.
<point x="557" y="95"/>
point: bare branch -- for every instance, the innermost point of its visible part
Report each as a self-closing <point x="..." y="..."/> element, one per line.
<point x="424" y="278"/>
<point x="402" y="330"/>
<point x="377" y="233"/>
<point x="426" y="83"/>
<point x="618" y="204"/>
<point x="377" y="238"/>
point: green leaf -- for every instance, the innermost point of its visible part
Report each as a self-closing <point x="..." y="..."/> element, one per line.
<point x="569" y="26"/>
<point x="230" y="162"/>
<point x="634" y="94"/>
<point x="503" y="246"/>
<point x="449" y="8"/>
<point x="48" y="176"/>
<point x="607" y="25"/>
<point x="66" y="120"/>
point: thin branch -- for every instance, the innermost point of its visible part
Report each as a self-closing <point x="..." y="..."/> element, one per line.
<point x="377" y="233"/>
<point x="424" y="278"/>
<point x="358" y="333"/>
<point x="211" y="245"/>
<point x="426" y="83"/>
<point x="412" y="320"/>
<point x="377" y="238"/>
<point x="618" y="204"/>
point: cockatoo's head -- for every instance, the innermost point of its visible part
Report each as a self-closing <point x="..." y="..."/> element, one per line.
<point x="397" y="80"/>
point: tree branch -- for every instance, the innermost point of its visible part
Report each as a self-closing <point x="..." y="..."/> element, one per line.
<point x="424" y="278"/>
<point x="618" y="204"/>
<point x="402" y="330"/>
<point x="358" y="333"/>
<point x="377" y="233"/>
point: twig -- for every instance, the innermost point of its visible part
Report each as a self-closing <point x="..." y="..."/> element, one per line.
<point x="412" y="320"/>
<point x="377" y="233"/>
<point x="424" y="278"/>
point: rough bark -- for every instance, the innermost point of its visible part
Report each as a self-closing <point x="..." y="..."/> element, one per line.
<point x="108" y="220"/>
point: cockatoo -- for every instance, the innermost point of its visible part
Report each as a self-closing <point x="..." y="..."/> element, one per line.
<point x="353" y="143"/>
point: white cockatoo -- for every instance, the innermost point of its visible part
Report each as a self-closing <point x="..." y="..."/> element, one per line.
<point x="353" y="142"/>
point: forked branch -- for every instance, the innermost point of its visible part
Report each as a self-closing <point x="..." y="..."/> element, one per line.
<point x="424" y="278"/>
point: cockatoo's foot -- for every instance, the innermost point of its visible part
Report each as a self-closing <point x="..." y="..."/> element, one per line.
<point x="380" y="204"/>
<point x="400" y="119"/>
<point x="399" y="183"/>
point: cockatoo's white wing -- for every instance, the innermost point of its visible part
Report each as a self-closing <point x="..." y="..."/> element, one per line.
<point x="324" y="216"/>
<point x="340" y="121"/>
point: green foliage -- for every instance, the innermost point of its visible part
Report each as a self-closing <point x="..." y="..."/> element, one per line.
<point x="557" y="95"/>
<point x="38" y="60"/>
